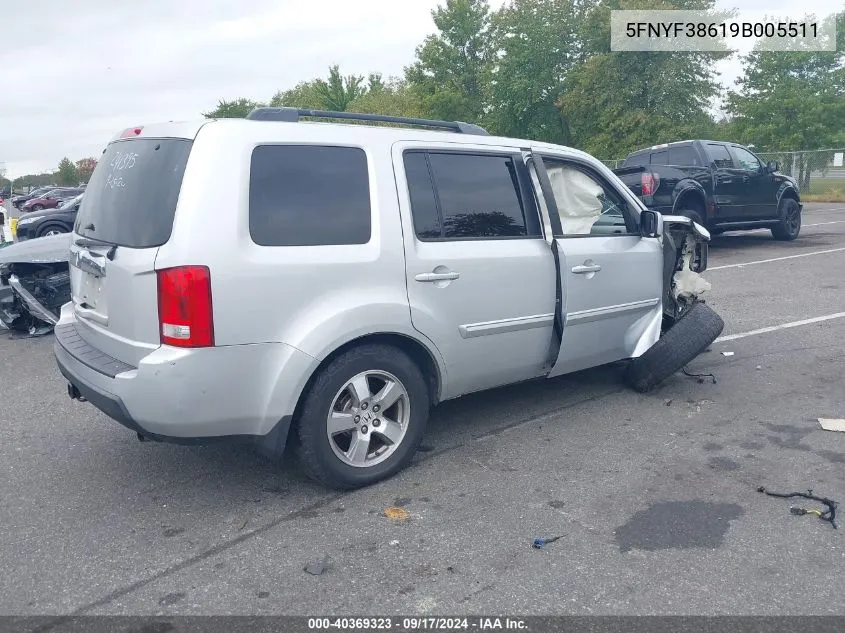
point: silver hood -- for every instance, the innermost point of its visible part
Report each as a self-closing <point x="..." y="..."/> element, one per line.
<point x="42" y="250"/>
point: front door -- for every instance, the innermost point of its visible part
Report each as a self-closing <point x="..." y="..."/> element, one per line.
<point x="480" y="276"/>
<point x="611" y="276"/>
<point x="760" y="191"/>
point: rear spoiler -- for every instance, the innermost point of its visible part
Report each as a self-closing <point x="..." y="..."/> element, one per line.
<point x="633" y="169"/>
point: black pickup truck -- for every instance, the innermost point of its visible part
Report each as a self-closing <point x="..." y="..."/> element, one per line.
<point x="722" y="186"/>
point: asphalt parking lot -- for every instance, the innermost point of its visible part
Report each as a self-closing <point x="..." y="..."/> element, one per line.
<point x="653" y="495"/>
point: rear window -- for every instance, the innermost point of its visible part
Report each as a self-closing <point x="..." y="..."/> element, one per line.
<point x="131" y="198"/>
<point x="636" y="160"/>
<point x="309" y="195"/>
<point x="659" y="158"/>
<point x="684" y="155"/>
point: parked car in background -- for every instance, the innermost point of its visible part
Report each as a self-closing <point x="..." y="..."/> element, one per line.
<point x="18" y="201"/>
<point x="351" y="277"/>
<point x="722" y="186"/>
<point x="34" y="284"/>
<point x="51" y="199"/>
<point x="6" y="192"/>
<point x="49" y="221"/>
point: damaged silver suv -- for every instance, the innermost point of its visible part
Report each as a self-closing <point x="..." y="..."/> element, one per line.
<point x="347" y="278"/>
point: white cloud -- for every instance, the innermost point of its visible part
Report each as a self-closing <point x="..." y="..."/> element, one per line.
<point x="74" y="73"/>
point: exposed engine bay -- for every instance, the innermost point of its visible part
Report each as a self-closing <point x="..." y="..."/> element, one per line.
<point x="34" y="284"/>
<point x="685" y="247"/>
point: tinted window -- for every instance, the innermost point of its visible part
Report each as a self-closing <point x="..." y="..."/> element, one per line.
<point x="131" y="199"/>
<point x="659" y="158"/>
<point x="479" y="196"/>
<point x="746" y="159"/>
<point x="423" y="203"/>
<point x="683" y="155"/>
<point x="309" y="195"/>
<point x="636" y="160"/>
<point x="719" y="155"/>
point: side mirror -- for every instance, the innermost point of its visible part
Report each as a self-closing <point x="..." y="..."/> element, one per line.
<point x="772" y="166"/>
<point x="651" y="223"/>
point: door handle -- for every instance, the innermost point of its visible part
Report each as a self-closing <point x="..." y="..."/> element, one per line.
<point x="437" y="276"/>
<point x="586" y="268"/>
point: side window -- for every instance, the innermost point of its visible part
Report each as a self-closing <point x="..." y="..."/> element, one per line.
<point x="475" y="196"/>
<point x="746" y="159"/>
<point x="659" y="158"/>
<point x="587" y="205"/>
<point x="719" y="155"/>
<point x="309" y="195"/>
<point x="684" y="155"/>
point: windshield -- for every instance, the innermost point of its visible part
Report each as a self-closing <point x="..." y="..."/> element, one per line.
<point x="131" y="198"/>
<point x="67" y="204"/>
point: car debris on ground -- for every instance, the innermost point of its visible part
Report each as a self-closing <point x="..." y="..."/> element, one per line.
<point x="34" y="284"/>
<point x="828" y="515"/>
<point x="834" y="424"/>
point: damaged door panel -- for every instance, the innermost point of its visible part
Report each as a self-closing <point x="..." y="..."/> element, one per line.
<point x="34" y="284"/>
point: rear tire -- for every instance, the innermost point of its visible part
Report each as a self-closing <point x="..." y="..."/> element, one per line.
<point x="693" y="214"/>
<point x="37" y="207"/>
<point x="789" y="225"/>
<point x="697" y="328"/>
<point x="349" y="387"/>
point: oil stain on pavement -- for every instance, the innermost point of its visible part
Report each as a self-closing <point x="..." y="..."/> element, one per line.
<point x="679" y="525"/>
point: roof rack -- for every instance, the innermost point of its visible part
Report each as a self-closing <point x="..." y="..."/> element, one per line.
<point x="292" y="115"/>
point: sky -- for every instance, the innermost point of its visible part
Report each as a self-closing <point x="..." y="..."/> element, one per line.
<point x="75" y="73"/>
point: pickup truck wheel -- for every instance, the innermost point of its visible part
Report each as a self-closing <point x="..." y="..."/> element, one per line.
<point x="363" y="418"/>
<point x="697" y="328"/>
<point x="790" y="221"/>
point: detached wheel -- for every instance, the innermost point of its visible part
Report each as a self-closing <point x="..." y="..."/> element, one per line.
<point x="363" y="418"/>
<point x="697" y="328"/>
<point x="789" y="226"/>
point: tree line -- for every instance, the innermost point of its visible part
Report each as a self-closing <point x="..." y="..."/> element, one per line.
<point x="543" y="70"/>
<point x="68" y="174"/>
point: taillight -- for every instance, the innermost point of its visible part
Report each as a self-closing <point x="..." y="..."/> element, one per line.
<point x="650" y="182"/>
<point x="131" y="131"/>
<point x="184" y="306"/>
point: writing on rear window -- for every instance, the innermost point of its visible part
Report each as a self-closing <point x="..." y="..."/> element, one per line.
<point x="122" y="161"/>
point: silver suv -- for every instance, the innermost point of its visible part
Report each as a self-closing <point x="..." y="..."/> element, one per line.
<point x="264" y="276"/>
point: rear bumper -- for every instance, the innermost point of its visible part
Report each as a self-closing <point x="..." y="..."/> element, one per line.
<point x="188" y="396"/>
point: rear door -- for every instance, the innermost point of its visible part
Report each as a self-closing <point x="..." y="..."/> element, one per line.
<point x="126" y="214"/>
<point x="611" y="276"/>
<point x="728" y="185"/>
<point x="480" y="276"/>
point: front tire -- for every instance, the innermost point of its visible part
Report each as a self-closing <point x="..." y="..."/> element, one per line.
<point x="789" y="225"/>
<point x="52" y="230"/>
<point x="363" y="418"/>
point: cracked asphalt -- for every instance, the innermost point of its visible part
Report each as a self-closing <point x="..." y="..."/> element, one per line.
<point x="654" y="496"/>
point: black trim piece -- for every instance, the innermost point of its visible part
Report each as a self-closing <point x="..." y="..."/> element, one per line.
<point x="292" y="115"/>
<point x="68" y="338"/>
<point x="557" y="228"/>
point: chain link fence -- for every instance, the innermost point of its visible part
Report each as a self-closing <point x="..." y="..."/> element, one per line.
<point x="817" y="172"/>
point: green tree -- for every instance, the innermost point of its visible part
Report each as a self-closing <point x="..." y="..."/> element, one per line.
<point x="338" y="91"/>
<point x="67" y="174"/>
<point x="302" y="95"/>
<point x="392" y="97"/>
<point x="236" y="109"/>
<point x="537" y="43"/>
<point x="616" y="102"/>
<point x="452" y="70"/>
<point x="792" y="100"/>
